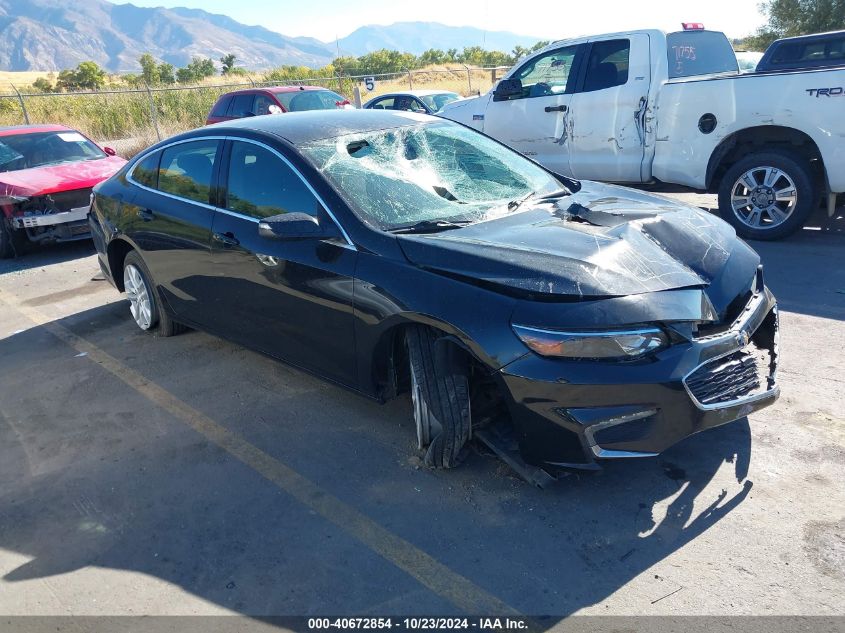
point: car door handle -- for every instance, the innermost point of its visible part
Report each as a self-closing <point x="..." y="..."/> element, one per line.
<point x="227" y="239"/>
<point x="559" y="108"/>
<point x="146" y="215"/>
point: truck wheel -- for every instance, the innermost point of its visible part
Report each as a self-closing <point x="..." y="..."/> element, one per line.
<point x="11" y="242"/>
<point x="144" y="302"/>
<point x="440" y="398"/>
<point x="767" y="195"/>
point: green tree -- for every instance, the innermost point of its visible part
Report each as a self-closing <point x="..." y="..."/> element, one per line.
<point x="42" y="84"/>
<point x="518" y="53"/>
<point x="196" y="71"/>
<point x="787" y="18"/>
<point x="149" y="69"/>
<point x="228" y="62"/>
<point x="166" y="73"/>
<point x="86" y="76"/>
<point x="432" y="56"/>
<point x="539" y="45"/>
<point x="346" y="65"/>
<point x="452" y="55"/>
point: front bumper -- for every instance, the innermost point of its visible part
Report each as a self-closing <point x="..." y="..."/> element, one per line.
<point x="50" y="219"/>
<point x="571" y="413"/>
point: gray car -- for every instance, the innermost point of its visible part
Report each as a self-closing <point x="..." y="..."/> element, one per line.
<point x="422" y="101"/>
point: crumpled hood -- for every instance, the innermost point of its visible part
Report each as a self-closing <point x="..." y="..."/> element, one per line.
<point x="601" y="241"/>
<point x="54" y="178"/>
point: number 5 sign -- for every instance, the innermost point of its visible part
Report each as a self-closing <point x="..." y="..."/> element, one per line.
<point x="370" y="83"/>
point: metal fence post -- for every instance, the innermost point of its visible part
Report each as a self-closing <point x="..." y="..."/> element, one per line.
<point x="23" y="105"/>
<point x="410" y="81"/>
<point x="469" y="78"/>
<point x="153" y="114"/>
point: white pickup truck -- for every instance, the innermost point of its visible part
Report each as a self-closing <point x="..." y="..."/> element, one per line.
<point x="644" y="106"/>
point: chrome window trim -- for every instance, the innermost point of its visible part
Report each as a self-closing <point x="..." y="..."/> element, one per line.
<point x="144" y="156"/>
<point x="304" y="181"/>
<point x="284" y="159"/>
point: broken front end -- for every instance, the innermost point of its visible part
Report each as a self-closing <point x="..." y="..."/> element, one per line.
<point x="55" y="217"/>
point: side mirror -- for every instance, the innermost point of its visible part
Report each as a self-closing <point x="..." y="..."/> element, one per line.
<point x="295" y="226"/>
<point x="507" y="89"/>
<point x="109" y="151"/>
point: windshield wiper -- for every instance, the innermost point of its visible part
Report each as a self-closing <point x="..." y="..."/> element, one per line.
<point x="557" y="193"/>
<point x="430" y="226"/>
<point x="513" y="205"/>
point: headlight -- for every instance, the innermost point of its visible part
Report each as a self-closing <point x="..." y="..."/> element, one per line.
<point x="615" y="344"/>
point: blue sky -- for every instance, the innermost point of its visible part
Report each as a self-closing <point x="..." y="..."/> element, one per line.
<point x="326" y="19"/>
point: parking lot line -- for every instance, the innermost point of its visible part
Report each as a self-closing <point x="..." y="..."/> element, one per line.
<point x="430" y="572"/>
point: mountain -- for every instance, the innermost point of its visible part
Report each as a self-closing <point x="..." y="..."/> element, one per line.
<point x="58" y="34"/>
<point x="417" y="37"/>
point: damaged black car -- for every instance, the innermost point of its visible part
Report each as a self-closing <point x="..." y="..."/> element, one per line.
<point x="396" y="253"/>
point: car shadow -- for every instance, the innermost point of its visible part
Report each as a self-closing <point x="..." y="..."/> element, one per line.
<point x="38" y="256"/>
<point x="803" y="272"/>
<point x="97" y="476"/>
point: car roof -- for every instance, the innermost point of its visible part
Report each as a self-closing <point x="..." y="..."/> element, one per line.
<point x="275" y="89"/>
<point x="301" y="127"/>
<point x="809" y="37"/>
<point x="416" y="93"/>
<point x="33" y="129"/>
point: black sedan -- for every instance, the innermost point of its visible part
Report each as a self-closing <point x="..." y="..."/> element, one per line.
<point x="392" y="252"/>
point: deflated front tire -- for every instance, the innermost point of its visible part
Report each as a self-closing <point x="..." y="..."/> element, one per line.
<point x="440" y="397"/>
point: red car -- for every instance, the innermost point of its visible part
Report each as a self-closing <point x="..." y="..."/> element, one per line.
<point x="46" y="176"/>
<point x="275" y="100"/>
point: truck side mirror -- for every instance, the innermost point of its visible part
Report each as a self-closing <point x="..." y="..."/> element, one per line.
<point x="508" y="89"/>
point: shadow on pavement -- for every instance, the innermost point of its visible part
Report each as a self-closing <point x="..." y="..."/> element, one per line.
<point x="35" y="256"/>
<point x="94" y="475"/>
<point x="805" y="272"/>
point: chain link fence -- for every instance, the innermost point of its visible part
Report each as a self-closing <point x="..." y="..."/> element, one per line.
<point x="141" y="116"/>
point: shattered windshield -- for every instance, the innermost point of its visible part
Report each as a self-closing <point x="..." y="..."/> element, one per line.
<point x="427" y="172"/>
<point x="39" y="149"/>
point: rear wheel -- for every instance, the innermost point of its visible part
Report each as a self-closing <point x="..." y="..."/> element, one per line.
<point x="767" y="195"/>
<point x="440" y="397"/>
<point x="144" y="303"/>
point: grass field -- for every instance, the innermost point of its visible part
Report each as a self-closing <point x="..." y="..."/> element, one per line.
<point x="129" y="115"/>
<point x="18" y="80"/>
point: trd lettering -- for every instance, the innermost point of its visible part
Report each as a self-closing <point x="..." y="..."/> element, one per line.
<point x="826" y="92"/>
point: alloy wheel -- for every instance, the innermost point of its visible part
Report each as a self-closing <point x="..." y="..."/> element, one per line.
<point x="764" y="197"/>
<point x="138" y="294"/>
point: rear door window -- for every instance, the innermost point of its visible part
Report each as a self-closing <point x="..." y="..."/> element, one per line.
<point x="241" y="106"/>
<point x="810" y="52"/>
<point x="607" y="65"/>
<point x="692" y="53"/>
<point x="187" y="170"/>
<point x="221" y="107"/>
<point x="146" y="171"/>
